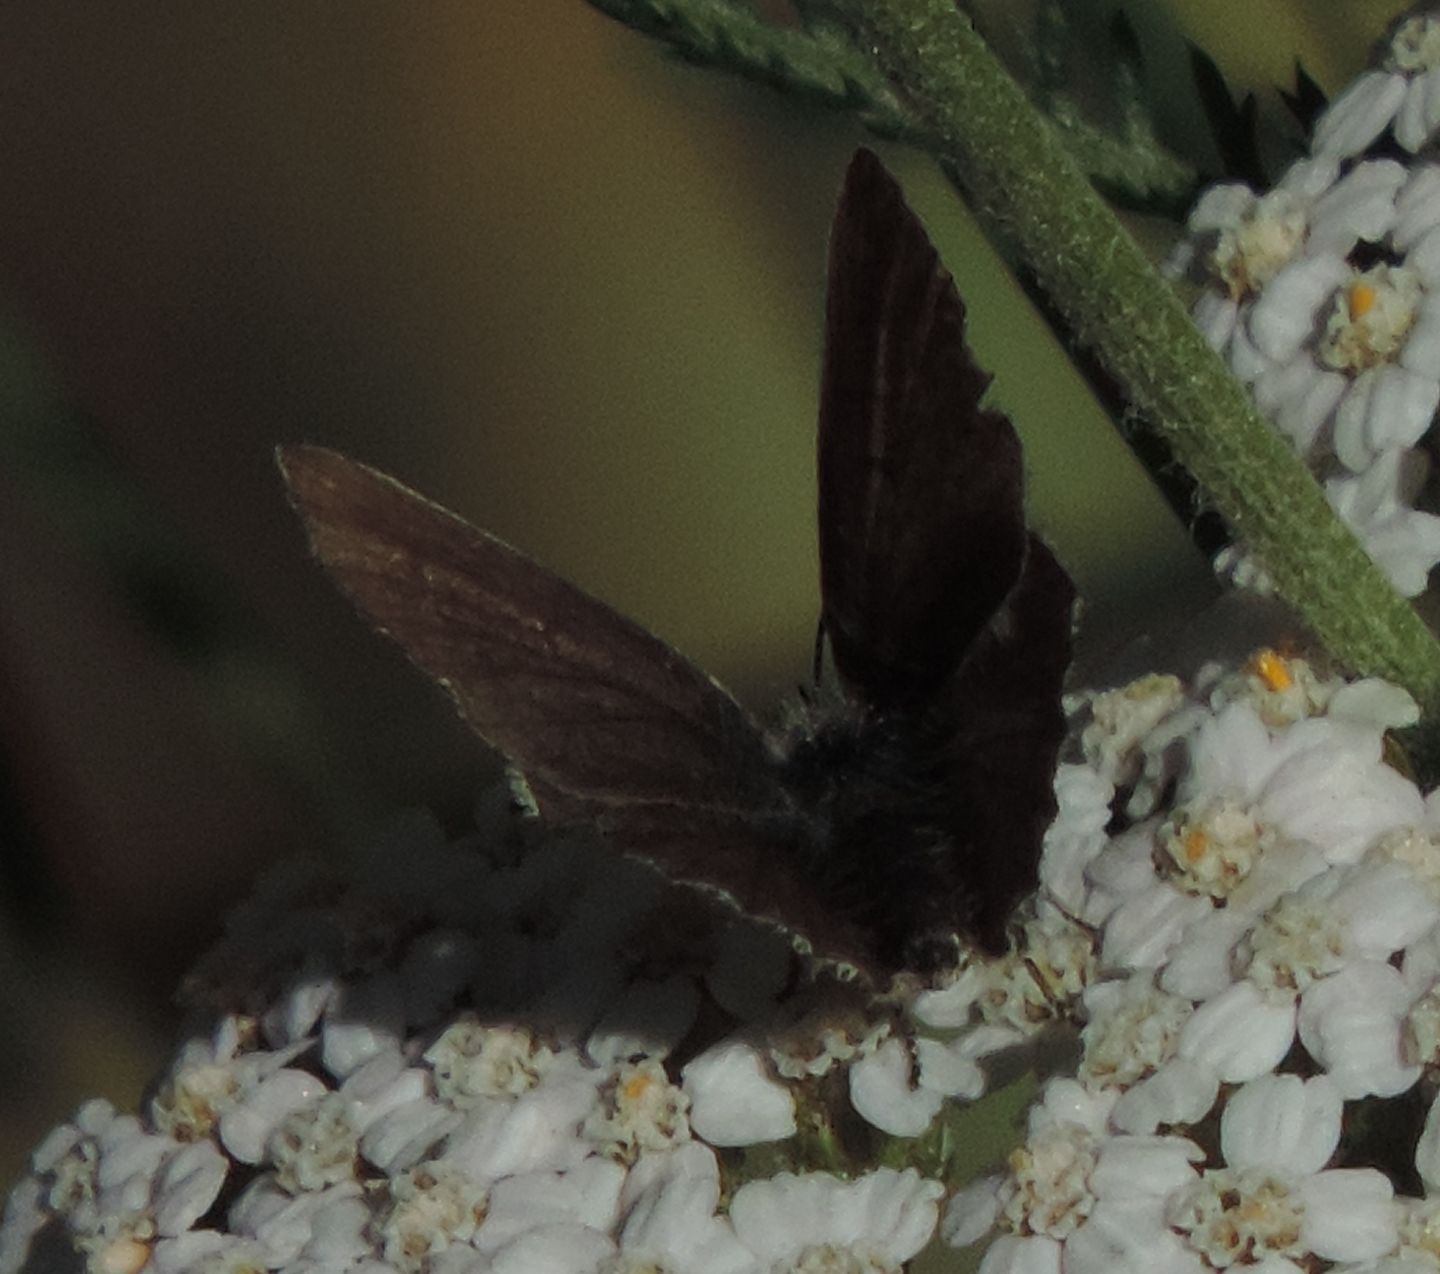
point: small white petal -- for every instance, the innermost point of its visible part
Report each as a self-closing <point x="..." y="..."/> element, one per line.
<point x="1374" y="702"/>
<point x="383" y="1084"/>
<point x="201" y="1249"/>
<point x="26" y="1214"/>
<point x="552" y="1249"/>
<point x="1310" y="178"/>
<point x="1421" y="965"/>
<point x="588" y="1195"/>
<point x="294" y="1015"/>
<point x="1350" y="1214"/>
<point x="734" y="1100"/>
<point x="1406" y="551"/>
<point x="1282" y="1123"/>
<point x="1124" y="868"/>
<point x="347" y="1046"/>
<point x="1419" y="111"/>
<point x="653" y="1172"/>
<point x="1073" y="840"/>
<point x="948" y="1070"/>
<point x="540" y="1130"/>
<point x="1230" y="752"/>
<point x="63" y="1138"/>
<point x="1338" y="800"/>
<point x="1012" y="1254"/>
<point x="892" y="1214"/>
<point x="96" y="1116"/>
<point x="375" y="1007"/>
<point x="1351" y="1024"/>
<point x="1359" y="115"/>
<point x="1422" y="343"/>
<point x="1360" y="205"/>
<point x="1128" y="1237"/>
<point x="950" y="1006"/>
<point x="1215" y="315"/>
<point x="1384" y="910"/>
<point x="1200" y="965"/>
<point x="128" y="1153"/>
<point x="986" y="1039"/>
<point x="281" y="1224"/>
<point x="245" y="1129"/>
<point x="188" y="1186"/>
<point x="671" y="1222"/>
<point x="1376" y="506"/>
<point x="1067" y="1101"/>
<point x="338" y="1233"/>
<point x="1427" y="1149"/>
<point x="402" y="1135"/>
<point x="778" y="1216"/>
<point x="883" y="1095"/>
<point x="1240" y="1033"/>
<point x="1305" y="414"/>
<point x="1220" y="206"/>
<point x="1144" y="928"/>
<point x="971" y="1212"/>
<point x="1243" y="355"/>
<point x="1283" y="316"/>
<point x="1386" y="407"/>
<point x="1180" y="1092"/>
<point x="1424" y="258"/>
<point x="1417" y="210"/>
<point x="1144" y="1167"/>
<point x="897" y="1212"/>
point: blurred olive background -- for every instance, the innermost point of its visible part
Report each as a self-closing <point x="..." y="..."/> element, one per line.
<point x="505" y="249"/>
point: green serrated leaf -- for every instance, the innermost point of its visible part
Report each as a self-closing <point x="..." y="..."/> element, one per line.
<point x="1307" y="100"/>
<point x="1232" y="128"/>
<point x="821" y="64"/>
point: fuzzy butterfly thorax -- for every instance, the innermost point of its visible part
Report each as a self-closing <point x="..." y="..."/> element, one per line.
<point x="902" y="817"/>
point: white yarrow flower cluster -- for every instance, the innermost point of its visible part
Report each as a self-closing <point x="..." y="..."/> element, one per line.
<point x="1323" y="295"/>
<point x="1265" y="899"/>
<point x="502" y="1054"/>
<point x="515" y="1052"/>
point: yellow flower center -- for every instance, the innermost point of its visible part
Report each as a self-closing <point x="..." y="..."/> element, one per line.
<point x="1362" y="300"/>
<point x="1196" y="843"/>
<point x="634" y="1088"/>
<point x="1270" y="667"/>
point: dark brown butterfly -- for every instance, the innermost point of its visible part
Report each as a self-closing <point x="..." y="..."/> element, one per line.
<point x="906" y="812"/>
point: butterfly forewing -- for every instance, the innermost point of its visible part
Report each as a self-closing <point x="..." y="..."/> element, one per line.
<point x="922" y="527"/>
<point x="595" y="711"/>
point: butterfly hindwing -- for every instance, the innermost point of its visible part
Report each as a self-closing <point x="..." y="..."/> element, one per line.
<point x="922" y="524"/>
<point x="999" y="758"/>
